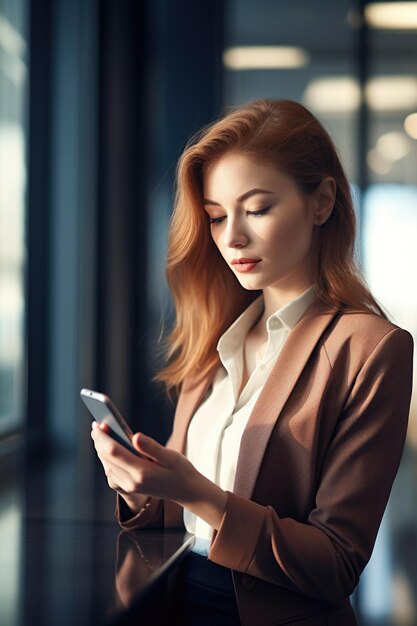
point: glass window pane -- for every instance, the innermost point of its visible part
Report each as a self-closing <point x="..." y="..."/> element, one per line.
<point x="390" y="258"/>
<point x="13" y="77"/>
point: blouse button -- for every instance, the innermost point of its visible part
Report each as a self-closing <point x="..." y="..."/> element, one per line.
<point x="248" y="582"/>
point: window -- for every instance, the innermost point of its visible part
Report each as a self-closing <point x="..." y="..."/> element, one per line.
<point x="13" y="108"/>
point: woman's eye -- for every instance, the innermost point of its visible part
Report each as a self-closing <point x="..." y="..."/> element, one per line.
<point x="260" y="212"/>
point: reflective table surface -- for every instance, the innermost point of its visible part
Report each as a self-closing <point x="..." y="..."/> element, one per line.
<point x="61" y="565"/>
<point x="79" y="572"/>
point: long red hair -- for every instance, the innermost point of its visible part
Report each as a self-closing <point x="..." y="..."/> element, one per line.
<point x="206" y="295"/>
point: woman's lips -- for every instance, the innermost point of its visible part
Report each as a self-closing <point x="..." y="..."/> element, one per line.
<point x="245" y="265"/>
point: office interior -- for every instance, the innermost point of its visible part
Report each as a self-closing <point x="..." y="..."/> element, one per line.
<point x="97" y="101"/>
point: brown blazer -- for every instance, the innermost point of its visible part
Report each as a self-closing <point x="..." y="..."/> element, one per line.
<point x="315" y="469"/>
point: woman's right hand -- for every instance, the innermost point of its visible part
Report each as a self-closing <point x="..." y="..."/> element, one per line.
<point x="105" y="447"/>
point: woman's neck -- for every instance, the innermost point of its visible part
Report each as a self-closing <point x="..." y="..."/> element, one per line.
<point x="276" y="297"/>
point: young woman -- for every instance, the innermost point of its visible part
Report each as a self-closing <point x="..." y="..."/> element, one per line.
<point x="294" y="386"/>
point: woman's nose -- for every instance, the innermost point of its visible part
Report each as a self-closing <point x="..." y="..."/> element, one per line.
<point x="235" y="236"/>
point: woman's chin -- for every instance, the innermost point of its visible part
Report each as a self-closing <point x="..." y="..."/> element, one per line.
<point x="251" y="283"/>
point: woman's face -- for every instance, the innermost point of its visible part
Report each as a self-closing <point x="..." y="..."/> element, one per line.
<point x="265" y="237"/>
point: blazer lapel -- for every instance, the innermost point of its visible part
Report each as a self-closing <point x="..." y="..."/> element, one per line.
<point x="189" y="399"/>
<point x="291" y="361"/>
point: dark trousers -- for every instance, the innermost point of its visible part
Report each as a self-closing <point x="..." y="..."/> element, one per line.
<point x="206" y="596"/>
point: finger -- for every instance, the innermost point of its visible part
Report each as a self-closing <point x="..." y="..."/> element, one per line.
<point x="127" y="482"/>
<point x="104" y="440"/>
<point x="154" y="450"/>
<point x="118" y="479"/>
<point x="111" y="451"/>
<point x="106" y="447"/>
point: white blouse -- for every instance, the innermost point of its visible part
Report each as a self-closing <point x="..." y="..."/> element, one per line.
<point x="216" y="428"/>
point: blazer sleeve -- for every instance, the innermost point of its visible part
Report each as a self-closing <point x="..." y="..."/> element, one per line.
<point x="149" y="516"/>
<point x="324" y="556"/>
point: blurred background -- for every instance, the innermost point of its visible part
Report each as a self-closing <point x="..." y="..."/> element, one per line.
<point x="97" y="101"/>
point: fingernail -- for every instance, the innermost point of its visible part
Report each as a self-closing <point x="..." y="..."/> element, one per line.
<point x="94" y="425"/>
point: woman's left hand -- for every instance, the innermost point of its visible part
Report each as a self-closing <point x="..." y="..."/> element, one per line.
<point x="168" y="474"/>
<point x="163" y="473"/>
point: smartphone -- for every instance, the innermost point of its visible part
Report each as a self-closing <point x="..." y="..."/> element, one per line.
<point x="105" y="411"/>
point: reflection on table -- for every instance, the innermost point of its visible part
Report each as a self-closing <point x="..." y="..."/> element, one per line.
<point x="79" y="572"/>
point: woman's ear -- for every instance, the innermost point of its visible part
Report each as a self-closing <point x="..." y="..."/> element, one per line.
<point x="325" y="196"/>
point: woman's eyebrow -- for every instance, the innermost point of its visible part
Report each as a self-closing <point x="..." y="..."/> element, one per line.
<point x="244" y="196"/>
